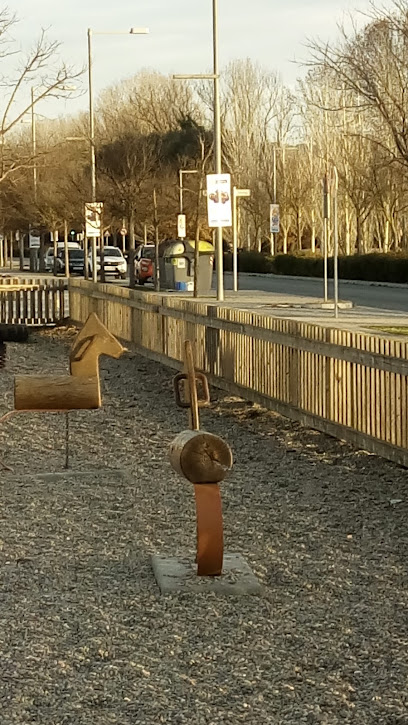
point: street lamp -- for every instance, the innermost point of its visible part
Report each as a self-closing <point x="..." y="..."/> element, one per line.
<point x="34" y="132"/>
<point x="66" y="87"/>
<point x="236" y="193"/>
<point x="132" y="31"/>
<point x="215" y="76"/>
<point x="181" y="173"/>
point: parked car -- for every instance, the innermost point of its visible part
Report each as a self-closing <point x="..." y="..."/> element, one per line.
<point x="114" y="261"/>
<point x="144" y="263"/>
<point x="76" y="261"/>
<point x="49" y="254"/>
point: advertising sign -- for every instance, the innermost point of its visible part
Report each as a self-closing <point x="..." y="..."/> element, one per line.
<point x="181" y="226"/>
<point x="219" y="204"/>
<point x="93" y="214"/>
<point x="274" y="218"/>
<point x="34" y="239"/>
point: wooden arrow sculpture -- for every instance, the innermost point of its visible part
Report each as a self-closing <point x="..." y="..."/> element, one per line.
<point x="78" y="391"/>
<point x="204" y="459"/>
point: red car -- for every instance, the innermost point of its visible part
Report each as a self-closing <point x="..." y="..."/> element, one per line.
<point x="144" y="264"/>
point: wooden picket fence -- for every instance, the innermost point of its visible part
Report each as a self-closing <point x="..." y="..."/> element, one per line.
<point x="349" y="384"/>
<point x="42" y="301"/>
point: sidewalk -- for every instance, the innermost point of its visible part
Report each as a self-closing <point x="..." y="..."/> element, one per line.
<point x="306" y="309"/>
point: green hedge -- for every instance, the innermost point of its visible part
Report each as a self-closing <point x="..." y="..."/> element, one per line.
<point x="250" y="262"/>
<point x="374" y="267"/>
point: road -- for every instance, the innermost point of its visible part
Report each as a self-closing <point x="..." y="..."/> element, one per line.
<point x="362" y="294"/>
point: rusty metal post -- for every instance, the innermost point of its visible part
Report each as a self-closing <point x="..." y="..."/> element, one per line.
<point x="210" y="537"/>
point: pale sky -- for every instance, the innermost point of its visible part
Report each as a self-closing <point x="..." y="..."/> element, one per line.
<point x="271" y="32"/>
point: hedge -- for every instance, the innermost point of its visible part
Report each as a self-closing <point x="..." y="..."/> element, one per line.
<point x="250" y="262"/>
<point x="375" y="267"/>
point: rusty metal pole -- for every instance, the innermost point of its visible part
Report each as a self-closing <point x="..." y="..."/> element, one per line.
<point x="210" y="536"/>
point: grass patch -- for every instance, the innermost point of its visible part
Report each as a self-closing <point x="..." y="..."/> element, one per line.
<point x="391" y="330"/>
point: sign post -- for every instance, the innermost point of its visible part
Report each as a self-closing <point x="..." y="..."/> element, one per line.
<point x="181" y="226"/>
<point x="236" y="193"/>
<point x="93" y="230"/>
<point x="274" y="225"/>
<point x="219" y="204"/>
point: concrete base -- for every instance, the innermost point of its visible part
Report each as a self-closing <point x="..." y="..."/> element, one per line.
<point x="176" y="574"/>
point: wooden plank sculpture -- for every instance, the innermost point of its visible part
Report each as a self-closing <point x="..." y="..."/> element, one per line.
<point x="81" y="389"/>
<point x="204" y="459"/>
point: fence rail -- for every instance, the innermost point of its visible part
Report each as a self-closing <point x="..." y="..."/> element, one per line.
<point x="348" y="384"/>
<point x="32" y="301"/>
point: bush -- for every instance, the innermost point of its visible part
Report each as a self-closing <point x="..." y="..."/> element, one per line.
<point x="375" y="267"/>
<point x="250" y="262"/>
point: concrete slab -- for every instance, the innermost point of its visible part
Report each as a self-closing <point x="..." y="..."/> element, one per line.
<point x="177" y="575"/>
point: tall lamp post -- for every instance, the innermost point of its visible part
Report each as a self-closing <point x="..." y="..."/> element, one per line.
<point x="215" y="77"/>
<point x="34" y="155"/>
<point x="181" y="219"/>
<point x="91" y="33"/>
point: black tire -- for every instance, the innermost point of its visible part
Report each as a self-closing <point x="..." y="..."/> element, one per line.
<point x="123" y="275"/>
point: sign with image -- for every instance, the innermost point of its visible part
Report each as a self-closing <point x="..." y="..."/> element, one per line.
<point x="274" y="219"/>
<point x="93" y="217"/>
<point x="34" y="239"/>
<point x="181" y="226"/>
<point x="219" y="204"/>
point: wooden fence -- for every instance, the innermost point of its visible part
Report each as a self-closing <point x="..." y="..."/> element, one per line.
<point x="351" y="385"/>
<point x="42" y="301"/>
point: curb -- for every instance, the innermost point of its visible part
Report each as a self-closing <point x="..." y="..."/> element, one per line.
<point x="366" y="283"/>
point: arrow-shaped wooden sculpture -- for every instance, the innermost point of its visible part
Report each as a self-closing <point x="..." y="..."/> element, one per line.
<point x="78" y="391"/>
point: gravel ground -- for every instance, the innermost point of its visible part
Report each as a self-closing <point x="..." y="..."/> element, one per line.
<point x="86" y="638"/>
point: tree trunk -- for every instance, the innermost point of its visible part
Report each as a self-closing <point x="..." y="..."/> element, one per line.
<point x="299" y="229"/>
<point x="313" y="232"/>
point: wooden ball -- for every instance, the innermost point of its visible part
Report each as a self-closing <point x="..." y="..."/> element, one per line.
<point x="200" y="457"/>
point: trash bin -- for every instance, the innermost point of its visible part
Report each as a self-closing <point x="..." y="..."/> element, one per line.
<point x="205" y="265"/>
<point x="178" y="266"/>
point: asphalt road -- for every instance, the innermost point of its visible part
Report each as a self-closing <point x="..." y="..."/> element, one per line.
<point x="363" y="294"/>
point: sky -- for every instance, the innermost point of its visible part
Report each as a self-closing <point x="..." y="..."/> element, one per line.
<point x="271" y="32"/>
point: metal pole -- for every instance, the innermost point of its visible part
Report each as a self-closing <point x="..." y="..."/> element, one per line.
<point x="34" y="145"/>
<point x="181" y="190"/>
<point x="66" y="253"/>
<point x="235" y="240"/>
<point x="92" y="147"/>
<point x="91" y="119"/>
<point x="273" y="235"/>
<point x="326" y="217"/>
<point x="217" y="149"/>
<point x="336" y="242"/>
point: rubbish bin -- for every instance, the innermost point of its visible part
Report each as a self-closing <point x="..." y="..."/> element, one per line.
<point x="178" y="267"/>
<point x="205" y="265"/>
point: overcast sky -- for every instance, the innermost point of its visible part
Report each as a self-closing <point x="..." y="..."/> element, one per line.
<point x="180" y="39"/>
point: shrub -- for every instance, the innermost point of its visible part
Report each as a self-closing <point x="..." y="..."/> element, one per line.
<point x="374" y="267"/>
<point x="250" y="262"/>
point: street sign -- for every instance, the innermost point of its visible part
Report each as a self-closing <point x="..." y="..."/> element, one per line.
<point x="181" y="226"/>
<point x="123" y="231"/>
<point x="219" y="204"/>
<point x="93" y="213"/>
<point x="34" y="239"/>
<point x="242" y="192"/>
<point x="274" y="218"/>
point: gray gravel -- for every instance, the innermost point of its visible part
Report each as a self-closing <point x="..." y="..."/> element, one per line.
<point x="86" y="638"/>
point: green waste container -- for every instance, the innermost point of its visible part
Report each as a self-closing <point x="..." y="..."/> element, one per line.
<point x="178" y="266"/>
